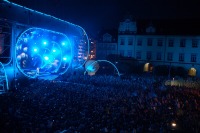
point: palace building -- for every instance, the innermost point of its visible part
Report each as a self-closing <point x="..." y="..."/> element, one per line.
<point x="154" y="47"/>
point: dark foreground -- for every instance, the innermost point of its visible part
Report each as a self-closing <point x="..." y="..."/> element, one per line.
<point x="100" y="104"/>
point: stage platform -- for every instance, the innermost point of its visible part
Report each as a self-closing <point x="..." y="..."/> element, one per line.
<point x="47" y="76"/>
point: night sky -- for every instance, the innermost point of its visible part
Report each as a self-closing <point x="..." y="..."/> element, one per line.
<point x="93" y="15"/>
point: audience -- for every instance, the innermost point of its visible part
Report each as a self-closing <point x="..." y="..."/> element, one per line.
<point x="102" y="104"/>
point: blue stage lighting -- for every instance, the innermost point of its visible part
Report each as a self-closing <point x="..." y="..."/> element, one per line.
<point x="64" y="58"/>
<point x="56" y="51"/>
<point x="46" y="58"/>
<point x="45" y="43"/>
<point x="90" y="68"/>
<point x="76" y="33"/>
<point x="63" y="43"/>
<point x="52" y="54"/>
<point x="35" y="50"/>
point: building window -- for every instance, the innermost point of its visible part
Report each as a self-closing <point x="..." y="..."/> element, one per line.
<point x="130" y="41"/>
<point x="139" y="42"/>
<point x="160" y="42"/>
<point x="159" y="56"/>
<point x="138" y="55"/>
<point x="193" y="57"/>
<point x="149" y="54"/>
<point x="181" y="56"/>
<point x="129" y="53"/>
<point x="171" y="43"/>
<point x="122" y="41"/>
<point x="112" y="47"/>
<point x="170" y="56"/>
<point x="182" y="43"/>
<point x="149" y="42"/>
<point x="121" y="52"/>
<point x="194" y="43"/>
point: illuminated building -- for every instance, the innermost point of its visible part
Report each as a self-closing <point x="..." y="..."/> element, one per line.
<point x="158" y="49"/>
<point x="92" y="54"/>
<point x="107" y="44"/>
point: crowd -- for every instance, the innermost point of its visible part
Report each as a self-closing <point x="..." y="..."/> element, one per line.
<point x="100" y="104"/>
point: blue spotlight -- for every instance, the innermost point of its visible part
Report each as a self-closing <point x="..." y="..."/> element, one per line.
<point x="45" y="52"/>
<point x="44" y="42"/>
<point x="55" y="51"/>
<point x="63" y="43"/>
<point x="90" y="68"/>
<point x="46" y="58"/>
<point x="64" y="58"/>
<point x="35" y="50"/>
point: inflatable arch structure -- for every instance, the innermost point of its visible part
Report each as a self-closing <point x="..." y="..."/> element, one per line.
<point x="89" y="66"/>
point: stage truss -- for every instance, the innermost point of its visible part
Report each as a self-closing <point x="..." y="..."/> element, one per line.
<point x="3" y="79"/>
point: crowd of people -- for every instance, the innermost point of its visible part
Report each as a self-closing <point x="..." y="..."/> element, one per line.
<point x="100" y="104"/>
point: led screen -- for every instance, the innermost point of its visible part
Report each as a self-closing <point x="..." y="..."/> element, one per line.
<point x="42" y="52"/>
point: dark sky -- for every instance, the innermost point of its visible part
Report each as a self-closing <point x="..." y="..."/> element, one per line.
<point x="94" y="15"/>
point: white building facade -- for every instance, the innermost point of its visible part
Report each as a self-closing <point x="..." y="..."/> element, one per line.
<point x="176" y="50"/>
<point x="107" y="46"/>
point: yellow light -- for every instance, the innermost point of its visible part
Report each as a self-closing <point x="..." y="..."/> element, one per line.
<point x="173" y="124"/>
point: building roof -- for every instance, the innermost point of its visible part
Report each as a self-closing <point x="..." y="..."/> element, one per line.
<point x="112" y="32"/>
<point x="170" y="26"/>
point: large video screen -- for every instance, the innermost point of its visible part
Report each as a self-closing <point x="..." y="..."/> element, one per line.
<point x="40" y="52"/>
